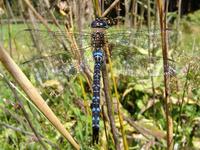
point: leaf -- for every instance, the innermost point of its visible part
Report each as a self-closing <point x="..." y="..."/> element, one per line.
<point x="70" y="124"/>
<point x="142" y="50"/>
<point x="140" y="104"/>
<point x="139" y="87"/>
<point x="126" y="92"/>
<point x="150" y="129"/>
<point x="196" y="142"/>
<point x="32" y="79"/>
<point x="54" y="84"/>
<point x="63" y="13"/>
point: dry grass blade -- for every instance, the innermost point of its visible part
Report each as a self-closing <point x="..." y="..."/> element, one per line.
<point x="97" y="7"/>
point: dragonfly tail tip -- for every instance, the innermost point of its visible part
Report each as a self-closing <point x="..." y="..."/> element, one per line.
<point x="95" y="135"/>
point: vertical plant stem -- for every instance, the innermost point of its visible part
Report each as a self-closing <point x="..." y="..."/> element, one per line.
<point x="179" y="13"/>
<point x="127" y="16"/>
<point x="178" y="23"/>
<point x="10" y="37"/>
<point x="162" y="16"/>
<point x="10" y="12"/>
<point x="109" y="105"/>
<point x="21" y="11"/>
<point x="104" y="123"/>
<point x="150" y="50"/>
<point x="185" y="87"/>
<point x="84" y="95"/>
<point x="141" y="17"/>
<point x="9" y="15"/>
<point x="80" y="24"/>
<point x="118" y="102"/>
<point x="97" y="8"/>
<point x="177" y="81"/>
<point x="135" y="9"/>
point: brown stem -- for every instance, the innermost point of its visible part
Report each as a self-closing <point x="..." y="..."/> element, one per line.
<point x="109" y="106"/>
<point x="104" y="123"/>
<point x="109" y="8"/>
<point x="163" y="26"/>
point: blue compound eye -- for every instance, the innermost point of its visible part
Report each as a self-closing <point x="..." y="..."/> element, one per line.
<point x="99" y="23"/>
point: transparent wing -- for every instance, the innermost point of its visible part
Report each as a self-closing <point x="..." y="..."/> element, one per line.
<point x="51" y="40"/>
<point x="51" y="52"/>
<point x="43" y="44"/>
<point x="133" y="53"/>
<point x="139" y="53"/>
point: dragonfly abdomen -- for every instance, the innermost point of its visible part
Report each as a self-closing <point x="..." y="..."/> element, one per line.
<point x="98" y="57"/>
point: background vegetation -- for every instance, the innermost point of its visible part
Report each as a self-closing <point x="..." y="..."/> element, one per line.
<point x="49" y="40"/>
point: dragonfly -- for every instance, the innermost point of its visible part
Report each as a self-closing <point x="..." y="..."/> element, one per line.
<point x="129" y="49"/>
<point x="134" y="53"/>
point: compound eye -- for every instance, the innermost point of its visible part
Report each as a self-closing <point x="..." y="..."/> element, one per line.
<point x="99" y="23"/>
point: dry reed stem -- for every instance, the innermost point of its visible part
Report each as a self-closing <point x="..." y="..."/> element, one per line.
<point x="166" y="75"/>
<point x="110" y="8"/>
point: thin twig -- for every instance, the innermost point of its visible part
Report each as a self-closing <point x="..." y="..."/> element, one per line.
<point x="109" y="8"/>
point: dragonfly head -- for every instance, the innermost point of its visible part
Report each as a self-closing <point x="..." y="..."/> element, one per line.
<point x="99" y="23"/>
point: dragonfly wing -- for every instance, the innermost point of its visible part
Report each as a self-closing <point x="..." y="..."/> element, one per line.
<point x="136" y="53"/>
<point x="51" y="49"/>
<point x="42" y="42"/>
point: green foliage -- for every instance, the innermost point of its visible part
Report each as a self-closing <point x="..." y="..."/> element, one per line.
<point x="193" y="18"/>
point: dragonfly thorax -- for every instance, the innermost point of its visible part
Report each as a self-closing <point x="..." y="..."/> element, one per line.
<point x="98" y="38"/>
